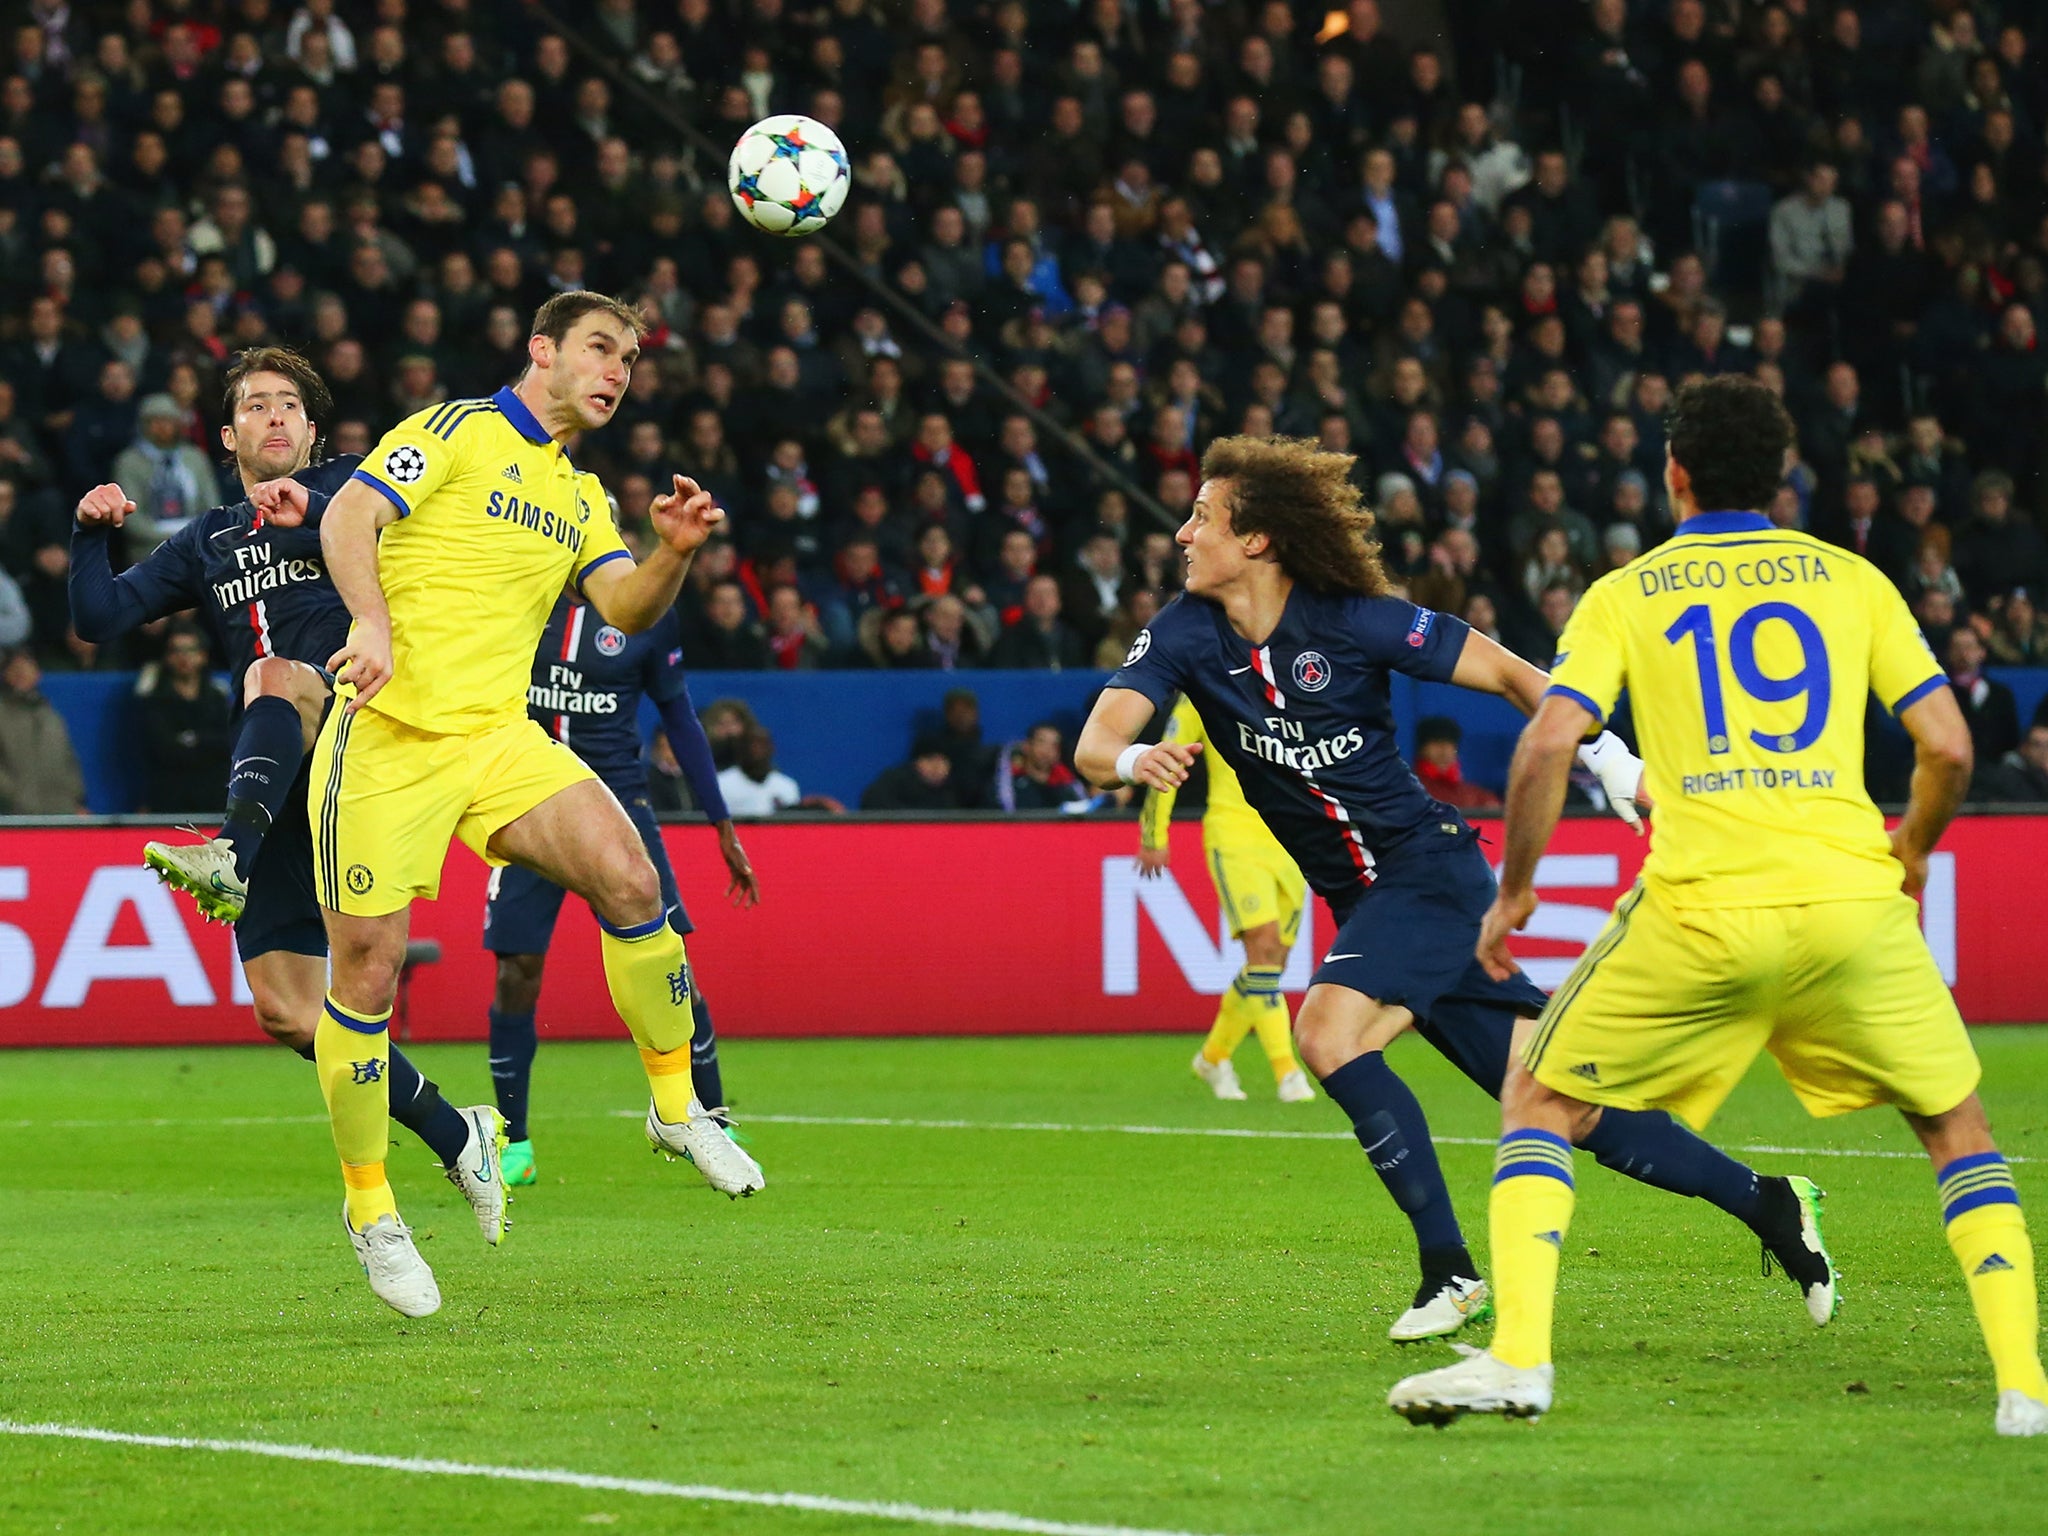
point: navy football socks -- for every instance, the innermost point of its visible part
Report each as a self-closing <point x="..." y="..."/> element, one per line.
<point x="1649" y="1146"/>
<point x="268" y="749"/>
<point x="1389" y="1124"/>
<point x="513" y="1042"/>
<point x="416" y="1104"/>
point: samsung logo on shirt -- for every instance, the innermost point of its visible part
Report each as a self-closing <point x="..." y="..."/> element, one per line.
<point x="524" y="514"/>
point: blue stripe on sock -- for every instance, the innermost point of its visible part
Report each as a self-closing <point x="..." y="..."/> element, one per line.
<point x="1996" y="1194"/>
<point x="1968" y="1162"/>
<point x="346" y="1021"/>
<point x="652" y="926"/>
<point x="1533" y="1154"/>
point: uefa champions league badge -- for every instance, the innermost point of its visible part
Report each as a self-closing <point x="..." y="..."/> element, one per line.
<point x="405" y="464"/>
<point x="1311" y="671"/>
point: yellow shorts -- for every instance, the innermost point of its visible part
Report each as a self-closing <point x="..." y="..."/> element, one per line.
<point x="1671" y="1005"/>
<point x="1256" y="883"/>
<point x="384" y="799"/>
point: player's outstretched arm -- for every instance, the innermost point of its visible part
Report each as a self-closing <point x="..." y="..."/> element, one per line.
<point x="1536" y="784"/>
<point x="103" y="605"/>
<point x="633" y="597"/>
<point x="1107" y="754"/>
<point x="348" y="543"/>
<point x="1943" y="756"/>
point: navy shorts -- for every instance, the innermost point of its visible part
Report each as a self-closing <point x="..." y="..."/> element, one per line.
<point x="519" y="917"/>
<point x="282" y="911"/>
<point x="1409" y="940"/>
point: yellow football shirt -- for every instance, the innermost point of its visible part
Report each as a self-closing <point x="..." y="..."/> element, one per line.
<point x="1748" y="651"/>
<point x="1228" y="815"/>
<point x="494" y="522"/>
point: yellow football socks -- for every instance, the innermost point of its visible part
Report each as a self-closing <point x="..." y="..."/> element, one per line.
<point x="352" y="1053"/>
<point x="649" y="977"/>
<point x="1530" y="1212"/>
<point x="1233" y="1023"/>
<point x="1259" y="986"/>
<point x="1987" y="1232"/>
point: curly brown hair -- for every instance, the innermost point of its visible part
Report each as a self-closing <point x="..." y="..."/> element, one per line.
<point x="1302" y="498"/>
<point x="292" y="365"/>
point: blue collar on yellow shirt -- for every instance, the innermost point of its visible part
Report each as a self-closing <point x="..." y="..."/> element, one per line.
<point x="515" y="410"/>
<point x="1724" y="522"/>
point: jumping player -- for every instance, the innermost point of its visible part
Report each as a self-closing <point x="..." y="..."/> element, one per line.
<point x="1773" y="913"/>
<point x="450" y="546"/>
<point x="1284" y="642"/>
<point x="1263" y="897"/>
<point x="263" y="592"/>
<point x="588" y="680"/>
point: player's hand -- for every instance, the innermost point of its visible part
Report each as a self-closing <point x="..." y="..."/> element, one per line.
<point x="1509" y="912"/>
<point x="1152" y="862"/>
<point x="1915" y="864"/>
<point x="1620" y="773"/>
<point x="364" y="662"/>
<point x="1166" y="765"/>
<point x="745" y="889"/>
<point x="282" y="503"/>
<point x="104" y="506"/>
<point x="686" y="516"/>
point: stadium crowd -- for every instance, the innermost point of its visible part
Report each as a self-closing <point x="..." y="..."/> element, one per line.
<point x="1481" y="268"/>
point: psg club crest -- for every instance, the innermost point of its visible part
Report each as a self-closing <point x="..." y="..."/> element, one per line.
<point x="405" y="464"/>
<point x="610" y="641"/>
<point x="1311" y="671"/>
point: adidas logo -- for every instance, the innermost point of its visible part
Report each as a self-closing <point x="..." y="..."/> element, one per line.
<point x="1555" y="1239"/>
<point x="1992" y="1265"/>
<point x="1587" y="1070"/>
<point x="512" y="474"/>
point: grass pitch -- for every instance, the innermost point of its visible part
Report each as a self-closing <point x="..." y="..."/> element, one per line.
<point x="1140" y="1330"/>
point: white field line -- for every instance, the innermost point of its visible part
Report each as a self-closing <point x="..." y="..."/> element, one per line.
<point x="884" y="1122"/>
<point x="700" y="1493"/>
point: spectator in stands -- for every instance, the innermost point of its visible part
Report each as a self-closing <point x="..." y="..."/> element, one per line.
<point x="168" y="479"/>
<point x="952" y="634"/>
<point x="728" y="639"/>
<point x="14" y="613"/>
<point x="1997" y="550"/>
<point x="924" y="783"/>
<point x="753" y="786"/>
<point x="1437" y="740"/>
<point x="1040" y="640"/>
<point x="2019" y="635"/>
<point x="796" y="642"/>
<point x="181" y="717"/>
<point x="1988" y="705"/>
<point x="1034" y="775"/>
<point x="39" y="772"/>
<point x="2021" y="776"/>
<point x="892" y="639"/>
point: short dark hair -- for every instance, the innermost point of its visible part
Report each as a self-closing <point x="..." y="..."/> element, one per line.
<point x="558" y="316"/>
<point x="1729" y="435"/>
<point x="1438" y="728"/>
<point x="292" y="365"/>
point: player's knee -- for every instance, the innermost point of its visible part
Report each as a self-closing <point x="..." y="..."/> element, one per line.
<point x="282" y="1023"/>
<point x="518" y="984"/>
<point x="632" y="889"/>
<point x="1262" y="945"/>
<point x="272" y="677"/>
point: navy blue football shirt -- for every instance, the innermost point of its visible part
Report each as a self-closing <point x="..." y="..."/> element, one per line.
<point x="588" y="679"/>
<point x="1307" y="720"/>
<point x="261" y="590"/>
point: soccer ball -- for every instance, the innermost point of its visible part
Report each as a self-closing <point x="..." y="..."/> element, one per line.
<point x="788" y="175"/>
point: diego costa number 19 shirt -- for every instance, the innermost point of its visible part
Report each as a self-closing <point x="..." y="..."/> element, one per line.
<point x="1748" y="651"/>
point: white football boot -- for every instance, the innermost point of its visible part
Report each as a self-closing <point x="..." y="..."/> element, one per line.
<point x="2020" y="1415"/>
<point x="1295" y="1089"/>
<point x="476" y="1174"/>
<point x="703" y="1141"/>
<point x="1441" y="1313"/>
<point x="1479" y="1383"/>
<point x="205" y="871"/>
<point x="1221" y="1077"/>
<point x="398" y="1275"/>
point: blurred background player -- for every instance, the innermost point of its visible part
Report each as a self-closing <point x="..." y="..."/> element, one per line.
<point x="1263" y="897"/>
<point x="588" y="681"/>
<point x="1774" y="911"/>
<point x="263" y="594"/>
